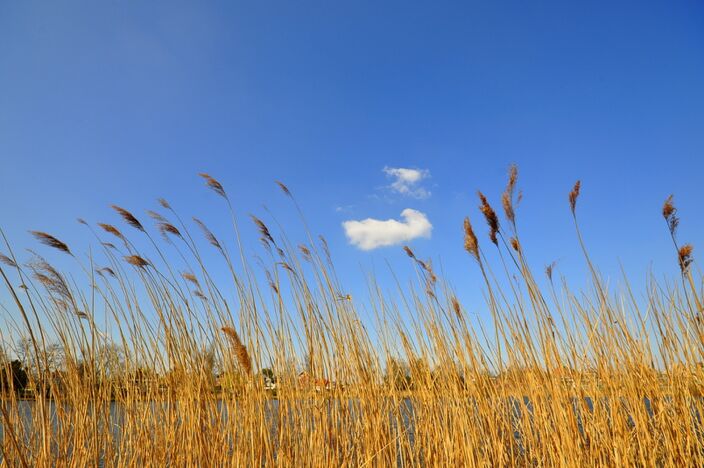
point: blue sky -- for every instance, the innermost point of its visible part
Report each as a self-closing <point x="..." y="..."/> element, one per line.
<point x="125" y="102"/>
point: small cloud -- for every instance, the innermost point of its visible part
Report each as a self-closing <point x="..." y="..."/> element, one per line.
<point x="407" y="180"/>
<point x="344" y="208"/>
<point x="369" y="233"/>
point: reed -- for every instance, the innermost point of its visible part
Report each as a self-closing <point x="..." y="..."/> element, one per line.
<point x="141" y="353"/>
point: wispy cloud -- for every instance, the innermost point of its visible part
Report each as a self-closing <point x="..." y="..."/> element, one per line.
<point x="406" y="181"/>
<point x="370" y="233"/>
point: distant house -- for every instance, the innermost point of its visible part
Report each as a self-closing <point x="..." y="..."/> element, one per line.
<point x="270" y="383"/>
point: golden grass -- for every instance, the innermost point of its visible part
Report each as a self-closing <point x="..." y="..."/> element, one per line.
<point x="174" y="374"/>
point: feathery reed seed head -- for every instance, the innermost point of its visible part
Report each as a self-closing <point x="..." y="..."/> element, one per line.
<point x="574" y="194"/>
<point x="272" y="284"/>
<point x="239" y="348"/>
<point x="283" y="188"/>
<point x="107" y="270"/>
<point x="685" y="257"/>
<point x="514" y="243"/>
<point x="305" y="252"/>
<point x="456" y="307"/>
<point x="507" y="196"/>
<point x="128" y="217"/>
<point x="110" y="229"/>
<point x="669" y="212"/>
<point x="50" y="278"/>
<point x="190" y="277"/>
<point x="409" y="252"/>
<point x="470" y="239"/>
<point x="326" y="248"/>
<point x="50" y="241"/>
<point x="263" y="230"/>
<point x="208" y="234"/>
<point x="491" y="219"/>
<point x="668" y="209"/>
<point x="136" y="260"/>
<point x="549" y="269"/>
<point x="7" y="261"/>
<point x="156" y="216"/>
<point x="213" y="184"/>
<point x="200" y="295"/>
<point x="166" y="228"/>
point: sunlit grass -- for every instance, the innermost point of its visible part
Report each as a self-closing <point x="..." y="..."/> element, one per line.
<point x="174" y="375"/>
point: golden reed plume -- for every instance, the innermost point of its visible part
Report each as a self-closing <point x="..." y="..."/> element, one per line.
<point x="507" y="197"/>
<point x="491" y="219"/>
<point x="574" y="194"/>
<point x="137" y="261"/>
<point x="685" y="257"/>
<point x="109" y="228"/>
<point x="470" y="239"/>
<point x="669" y="212"/>
<point x="51" y="241"/>
<point x="7" y="261"/>
<point x="128" y="217"/>
<point x="239" y="348"/>
<point x="283" y="188"/>
<point x="213" y="184"/>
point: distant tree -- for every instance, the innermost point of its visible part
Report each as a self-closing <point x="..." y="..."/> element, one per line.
<point x="51" y="357"/>
<point x="110" y="360"/>
<point x="25" y="352"/>
<point x="55" y="357"/>
<point x="13" y="376"/>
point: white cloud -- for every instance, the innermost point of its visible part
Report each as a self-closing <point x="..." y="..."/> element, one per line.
<point x="407" y="180"/>
<point x="369" y="233"/>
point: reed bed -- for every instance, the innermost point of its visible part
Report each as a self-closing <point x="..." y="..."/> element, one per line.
<point x="137" y="354"/>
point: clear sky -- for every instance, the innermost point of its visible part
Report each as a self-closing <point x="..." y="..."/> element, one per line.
<point x="125" y="102"/>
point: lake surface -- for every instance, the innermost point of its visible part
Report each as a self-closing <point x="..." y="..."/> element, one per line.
<point x="519" y="411"/>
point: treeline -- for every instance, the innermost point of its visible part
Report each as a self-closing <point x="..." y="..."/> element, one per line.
<point x="53" y="371"/>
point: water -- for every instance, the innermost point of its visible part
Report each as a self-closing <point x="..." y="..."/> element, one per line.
<point x="402" y="417"/>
